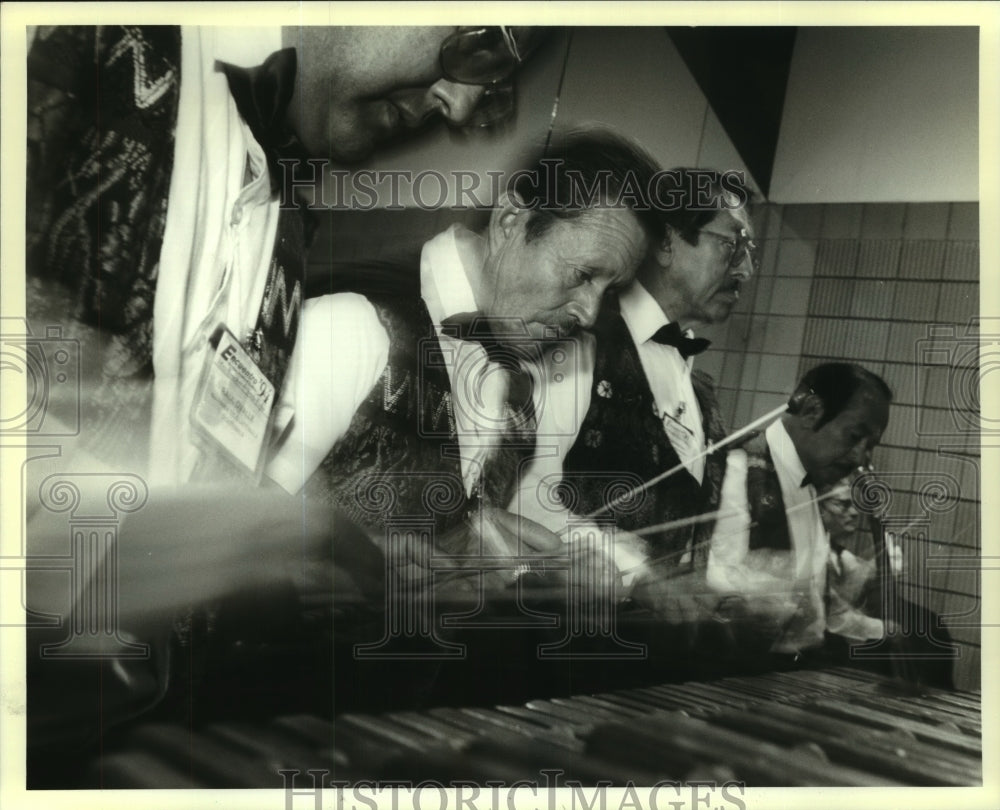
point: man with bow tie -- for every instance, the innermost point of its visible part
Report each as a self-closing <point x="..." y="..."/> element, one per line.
<point x="404" y="394"/>
<point x="770" y="546"/>
<point x="649" y="411"/>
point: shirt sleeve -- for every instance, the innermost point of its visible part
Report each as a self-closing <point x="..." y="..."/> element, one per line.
<point x="341" y="352"/>
<point x="732" y="567"/>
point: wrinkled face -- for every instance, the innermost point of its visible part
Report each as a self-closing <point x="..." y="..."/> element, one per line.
<point x="358" y="87"/>
<point x="559" y="279"/>
<point x="846" y="442"/>
<point x="699" y="286"/>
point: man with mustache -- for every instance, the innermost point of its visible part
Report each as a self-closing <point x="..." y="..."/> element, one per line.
<point x="649" y="411"/>
<point x="770" y="545"/>
<point x="159" y="227"/>
<point x="414" y="388"/>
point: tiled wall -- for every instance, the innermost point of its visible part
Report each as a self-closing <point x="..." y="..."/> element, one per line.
<point x="895" y="288"/>
<point x="838" y="282"/>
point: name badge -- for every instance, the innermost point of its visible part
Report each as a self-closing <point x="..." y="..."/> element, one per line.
<point x="233" y="403"/>
<point x="680" y="436"/>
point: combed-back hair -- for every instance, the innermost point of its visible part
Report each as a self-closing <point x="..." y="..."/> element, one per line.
<point x="688" y="199"/>
<point x="584" y="169"/>
<point x="835" y="384"/>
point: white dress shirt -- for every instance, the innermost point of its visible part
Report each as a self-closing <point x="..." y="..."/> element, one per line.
<point x="562" y="384"/>
<point x="788" y="586"/>
<point x="343" y="349"/>
<point x="669" y="378"/>
<point x="218" y="237"/>
<point x="567" y="391"/>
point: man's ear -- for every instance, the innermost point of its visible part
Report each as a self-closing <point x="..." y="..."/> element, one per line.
<point x="663" y="251"/>
<point x="508" y="217"/>
<point x="811" y="411"/>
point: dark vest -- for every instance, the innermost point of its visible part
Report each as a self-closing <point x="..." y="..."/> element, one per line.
<point x="399" y="457"/>
<point x="102" y="107"/>
<point x="622" y="443"/>
<point x="103" y="111"/>
<point x="768" y="521"/>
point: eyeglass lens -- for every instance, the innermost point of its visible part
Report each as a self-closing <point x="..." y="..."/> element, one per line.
<point x="477" y="56"/>
<point x="495" y="107"/>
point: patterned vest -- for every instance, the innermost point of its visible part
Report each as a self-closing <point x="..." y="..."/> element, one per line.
<point x="768" y="522"/>
<point x="622" y="443"/>
<point x="102" y="116"/>
<point x="399" y="457"/>
<point x="102" y="107"/>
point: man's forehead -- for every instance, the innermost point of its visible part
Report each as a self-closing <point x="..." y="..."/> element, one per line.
<point x="870" y="407"/>
<point x="609" y="219"/>
<point x="605" y="237"/>
<point x="733" y="221"/>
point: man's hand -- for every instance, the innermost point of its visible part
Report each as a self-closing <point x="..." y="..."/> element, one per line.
<point x="195" y="544"/>
<point x="480" y="544"/>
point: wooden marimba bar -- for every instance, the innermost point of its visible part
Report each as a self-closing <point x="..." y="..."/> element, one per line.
<point x="837" y="727"/>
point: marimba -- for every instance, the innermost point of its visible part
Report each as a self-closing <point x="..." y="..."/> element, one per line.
<point x="834" y="727"/>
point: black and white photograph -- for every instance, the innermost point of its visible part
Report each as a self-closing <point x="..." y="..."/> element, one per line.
<point x="585" y="409"/>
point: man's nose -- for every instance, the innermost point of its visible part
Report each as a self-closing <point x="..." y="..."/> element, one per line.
<point x="586" y="308"/>
<point x="456" y="102"/>
<point x="861" y="455"/>
<point x="743" y="270"/>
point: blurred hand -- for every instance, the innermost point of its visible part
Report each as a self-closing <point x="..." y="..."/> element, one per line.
<point x="194" y="544"/>
<point x="496" y="533"/>
<point x="678" y="597"/>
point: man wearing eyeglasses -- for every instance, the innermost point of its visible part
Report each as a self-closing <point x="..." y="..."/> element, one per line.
<point x="156" y="195"/>
<point x="650" y="412"/>
<point x="156" y="223"/>
<point x="360" y="87"/>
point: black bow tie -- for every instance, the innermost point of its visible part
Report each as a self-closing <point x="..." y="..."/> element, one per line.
<point x="262" y="95"/>
<point x="671" y="335"/>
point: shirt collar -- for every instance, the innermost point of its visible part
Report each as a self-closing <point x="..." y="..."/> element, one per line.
<point x="643" y="315"/>
<point x="786" y="458"/>
<point x="444" y="277"/>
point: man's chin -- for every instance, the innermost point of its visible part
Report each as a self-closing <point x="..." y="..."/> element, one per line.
<point x="724" y="304"/>
<point x="348" y="147"/>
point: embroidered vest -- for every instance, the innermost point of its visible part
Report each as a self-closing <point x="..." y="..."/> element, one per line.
<point x="103" y="111"/>
<point x="399" y="456"/>
<point x="622" y="443"/>
<point x="768" y="522"/>
<point x="102" y="108"/>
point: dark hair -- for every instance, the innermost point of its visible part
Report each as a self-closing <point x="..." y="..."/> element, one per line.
<point x="585" y="169"/>
<point x="689" y="199"/>
<point x="835" y="384"/>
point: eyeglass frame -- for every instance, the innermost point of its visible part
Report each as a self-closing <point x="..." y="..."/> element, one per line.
<point x="497" y="86"/>
<point x="742" y="245"/>
<point x="508" y="39"/>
